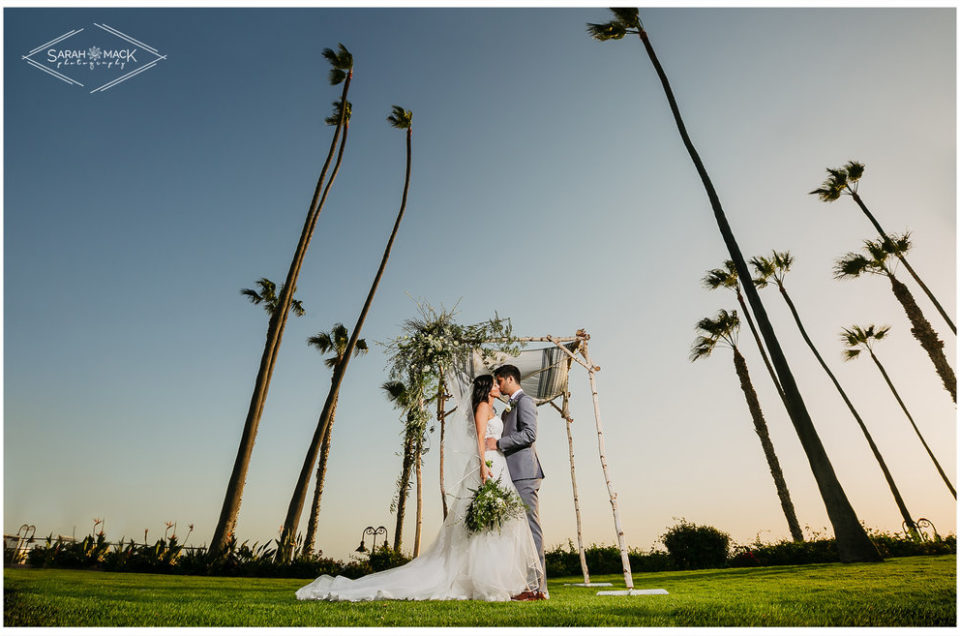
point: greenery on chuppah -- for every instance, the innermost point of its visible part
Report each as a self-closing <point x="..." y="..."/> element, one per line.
<point x="427" y="347"/>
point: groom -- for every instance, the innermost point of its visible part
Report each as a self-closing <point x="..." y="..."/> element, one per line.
<point x="518" y="445"/>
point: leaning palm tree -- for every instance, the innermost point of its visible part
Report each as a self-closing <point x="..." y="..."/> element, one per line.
<point x="853" y="544"/>
<point x="334" y="341"/>
<point x="341" y="62"/>
<point x="776" y="268"/>
<point x="846" y="180"/>
<point x="267" y="296"/>
<point x="727" y="278"/>
<point x="401" y="119"/>
<point x="853" y="264"/>
<point x="405" y="398"/>
<point x="724" y="328"/>
<point x="857" y="339"/>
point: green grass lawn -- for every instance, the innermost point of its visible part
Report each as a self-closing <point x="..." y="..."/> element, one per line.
<point x="907" y="591"/>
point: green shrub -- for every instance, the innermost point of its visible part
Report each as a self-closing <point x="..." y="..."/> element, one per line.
<point x="560" y="562"/>
<point x="824" y="550"/>
<point x="602" y="559"/>
<point x="692" y="547"/>
<point x="384" y="558"/>
<point x="653" y="561"/>
<point x="897" y="545"/>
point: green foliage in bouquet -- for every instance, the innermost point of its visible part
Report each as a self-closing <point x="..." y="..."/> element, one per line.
<point x="492" y="505"/>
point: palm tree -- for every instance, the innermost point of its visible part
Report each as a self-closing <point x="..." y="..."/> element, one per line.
<point x="776" y="267"/>
<point x="406" y="399"/>
<point x="858" y="339"/>
<point x="341" y="72"/>
<point x="852" y="265"/>
<point x="853" y="544"/>
<point x="268" y="298"/>
<point x="401" y="119"/>
<point x="726" y="277"/>
<point x="846" y="180"/>
<point x="724" y="328"/>
<point x="336" y="341"/>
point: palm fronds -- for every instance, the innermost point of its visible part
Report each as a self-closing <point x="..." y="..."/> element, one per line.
<point x="721" y="277"/>
<point x="764" y="268"/>
<point x="334" y="118"/>
<point x="607" y="31"/>
<point x="857" y="338"/>
<point x="400" y="118"/>
<point x="852" y="265"/>
<point x="268" y="297"/>
<point x="626" y="20"/>
<point x="342" y="62"/>
<point x="336" y="340"/>
<point x="723" y="327"/>
<point x="776" y="267"/>
<point x="854" y="170"/>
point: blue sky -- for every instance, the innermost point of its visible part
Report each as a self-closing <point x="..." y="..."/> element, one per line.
<point x="549" y="185"/>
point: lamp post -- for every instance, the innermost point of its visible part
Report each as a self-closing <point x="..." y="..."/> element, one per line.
<point x="376" y="532"/>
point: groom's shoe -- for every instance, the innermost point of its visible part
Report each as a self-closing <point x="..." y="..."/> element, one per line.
<point x="541" y="596"/>
<point x="526" y="595"/>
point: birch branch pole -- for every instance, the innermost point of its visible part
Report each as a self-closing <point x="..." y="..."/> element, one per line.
<point x="565" y="414"/>
<point x="627" y="575"/>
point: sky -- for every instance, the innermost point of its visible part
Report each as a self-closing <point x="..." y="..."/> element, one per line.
<point x="549" y="185"/>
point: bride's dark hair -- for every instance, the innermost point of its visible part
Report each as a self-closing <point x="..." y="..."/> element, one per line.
<point x="482" y="384"/>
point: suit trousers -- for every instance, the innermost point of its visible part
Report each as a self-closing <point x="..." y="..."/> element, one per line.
<point x="528" y="489"/>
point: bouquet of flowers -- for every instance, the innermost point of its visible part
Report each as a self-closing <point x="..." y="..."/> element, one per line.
<point x="492" y="505"/>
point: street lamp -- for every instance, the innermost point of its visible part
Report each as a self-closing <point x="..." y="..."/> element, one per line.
<point x="376" y="532"/>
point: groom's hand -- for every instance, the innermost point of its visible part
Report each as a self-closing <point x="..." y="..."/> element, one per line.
<point x="491" y="443"/>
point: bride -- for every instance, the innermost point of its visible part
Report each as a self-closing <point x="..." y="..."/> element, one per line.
<point x="490" y="565"/>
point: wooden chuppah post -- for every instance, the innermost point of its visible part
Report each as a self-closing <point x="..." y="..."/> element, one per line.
<point x="582" y="336"/>
<point x="442" y="419"/>
<point x="565" y="414"/>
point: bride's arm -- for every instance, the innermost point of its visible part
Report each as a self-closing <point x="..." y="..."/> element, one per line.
<point x="480" y="417"/>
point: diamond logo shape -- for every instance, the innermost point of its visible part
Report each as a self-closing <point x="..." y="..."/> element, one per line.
<point x="103" y="58"/>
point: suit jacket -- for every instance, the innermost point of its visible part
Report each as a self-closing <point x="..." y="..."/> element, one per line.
<point x="518" y="441"/>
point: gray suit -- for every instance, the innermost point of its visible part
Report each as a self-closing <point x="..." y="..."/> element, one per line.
<point x="518" y="443"/>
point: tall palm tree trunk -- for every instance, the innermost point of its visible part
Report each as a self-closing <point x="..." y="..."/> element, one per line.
<point x="853" y="544"/>
<point x="760" y="426"/>
<point x="907" y="519"/>
<point x="925" y="335"/>
<point x="318" y="486"/>
<point x="404" y="484"/>
<point x="763" y="351"/>
<point x="238" y="476"/>
<point x="441" y="404"/>
<point x="903" y="406"/>
<point x="418" y="463"/>
<point x="903" y="259"/>
<point x="295" y="508"/>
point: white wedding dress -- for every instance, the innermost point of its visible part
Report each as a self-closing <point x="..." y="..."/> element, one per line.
<point x="459" y="565"/>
